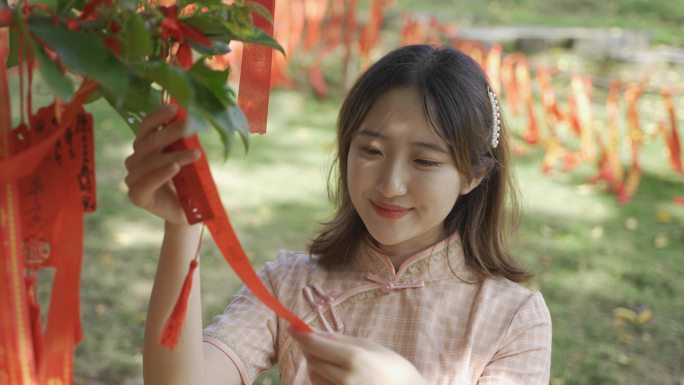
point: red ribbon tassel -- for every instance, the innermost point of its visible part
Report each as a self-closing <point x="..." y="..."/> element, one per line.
<point x="255" y="76"/>
<point x="172" y="328"/>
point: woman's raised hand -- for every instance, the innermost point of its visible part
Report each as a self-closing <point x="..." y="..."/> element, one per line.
<point x="150" y="169"/>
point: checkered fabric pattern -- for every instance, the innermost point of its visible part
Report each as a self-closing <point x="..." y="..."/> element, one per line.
<point x="455" y="327"/>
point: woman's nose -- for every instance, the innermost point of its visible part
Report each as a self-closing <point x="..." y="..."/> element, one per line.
<point x="392" y="180"/>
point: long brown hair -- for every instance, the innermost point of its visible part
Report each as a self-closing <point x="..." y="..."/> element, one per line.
<point x="454" y="93"/>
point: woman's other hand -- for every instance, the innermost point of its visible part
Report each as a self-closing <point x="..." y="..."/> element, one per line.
<point x="150" y="169"/>
<point x="334" y="359"/>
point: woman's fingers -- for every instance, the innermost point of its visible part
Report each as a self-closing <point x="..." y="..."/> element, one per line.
<point x="157" y="118"/>
<point x="323" y="373"/>
<point x="140" y="171"/>
<point x="155" y="142"/>
<point x="145" y="192"/>
<point x="325" y="348"/>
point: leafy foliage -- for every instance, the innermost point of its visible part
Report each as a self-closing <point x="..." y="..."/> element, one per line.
<point x="141" y="53"/>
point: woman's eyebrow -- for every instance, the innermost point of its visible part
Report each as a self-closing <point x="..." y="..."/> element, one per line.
<point x="373" y="133"/>
<point x="382" y="135"/>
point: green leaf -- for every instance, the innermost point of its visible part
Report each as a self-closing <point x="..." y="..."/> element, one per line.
<point x="94" y="96"/>
<point x="172" y="79"/>
<point x="67" y="5"/>
<point x="16" y="30"/>
<point x="13" y="55"/>
<point x="224" y="118"/>
<point x="217" y="48"/>
<point x="207" y="24"/>
<point x="214" y="81"/>
<point x="58" y="82"/>
<point x="262" y="38"/>
<point x="86" y="55"/>
<point x="140" y="100"/>
<point x="239" y="121"/>
<point x="137" y="41"/>
<point x="129" y="5"/>
<point x="260" y="10"/>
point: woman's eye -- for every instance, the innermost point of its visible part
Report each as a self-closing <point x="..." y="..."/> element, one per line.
<point x="370" y="151"/>
<point x="426" y="163"/>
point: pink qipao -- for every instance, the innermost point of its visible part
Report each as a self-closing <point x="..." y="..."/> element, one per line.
<point x="455" y="327"/>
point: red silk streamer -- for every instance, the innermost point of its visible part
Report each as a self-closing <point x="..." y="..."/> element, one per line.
<point x="17" y="363"/>
<point x="371" y="32"/>
<point x="314" y="10"/>
<point x="63" y="325"/>
<point x="255" y="76"/>
<point x="611" y="170"/>
<point x="581" y="86"/>
<point x="509" y="82"/>
<point x="493" y="67"/>
<point x="629" y="187"/>
<point x="283" y="32"/>
<point x="316" y="78"/>
<point x="199" y="197"/>
<point x="52" y="200"/>
<point x="409" y="30"/>
<point x="554" y="150"/>
<point x="335" y="24"/>
<point x="551" y="111"/>
<point x="522" y="74"/>
<point x="672" y="138"/>
<point x="350" y="30"/>
<point x="332" y="40"/>
<point x="21" y="164"/>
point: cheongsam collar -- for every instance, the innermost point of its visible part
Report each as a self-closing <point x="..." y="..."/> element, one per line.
<point x="442" y="260"/>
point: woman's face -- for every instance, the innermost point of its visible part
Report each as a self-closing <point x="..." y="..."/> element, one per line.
<point x="401" y="176"/>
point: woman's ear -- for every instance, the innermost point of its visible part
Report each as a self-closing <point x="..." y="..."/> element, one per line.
<point x="480" y="172"/>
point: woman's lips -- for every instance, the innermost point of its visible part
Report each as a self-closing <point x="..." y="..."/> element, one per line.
<point x="389" y="211"/>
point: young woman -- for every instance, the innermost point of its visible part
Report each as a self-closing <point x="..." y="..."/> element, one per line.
<point x="411" y="281"/>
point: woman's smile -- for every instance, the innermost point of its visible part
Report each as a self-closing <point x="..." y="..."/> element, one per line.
<point x="389" y="211"/>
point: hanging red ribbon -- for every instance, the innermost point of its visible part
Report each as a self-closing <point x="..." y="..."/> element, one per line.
<point x="199" y="197"/>
<point x="17" y="364"/>
<point x="255" y="76"/>
<point x="672" y="137"/>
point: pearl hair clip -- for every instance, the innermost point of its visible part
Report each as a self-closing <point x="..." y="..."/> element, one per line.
<point x="496" y="118"/>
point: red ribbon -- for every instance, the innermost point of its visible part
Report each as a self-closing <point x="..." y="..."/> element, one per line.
<point x="672" y="138"/>
<point x="17" y="365"/>
<point x="255" y="75"/>
<point x="199" y="197"/>
<point x="21" y="164"/>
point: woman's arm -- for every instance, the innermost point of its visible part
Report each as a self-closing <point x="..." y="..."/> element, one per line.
<point x="150" y="171"/>
<point x="524" y="358"/>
